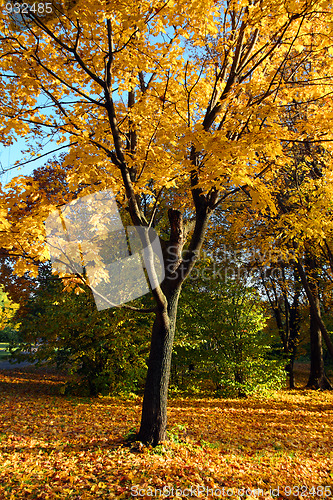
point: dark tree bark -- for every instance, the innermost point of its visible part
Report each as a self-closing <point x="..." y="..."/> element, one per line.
<point x="239" y="378"/>
<point x="154" y="408"/>
<point x="314" y="308"/>
<point x="294" y="330"/>
<point x="317" y="378"/>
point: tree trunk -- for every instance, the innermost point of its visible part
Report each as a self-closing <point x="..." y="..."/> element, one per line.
<point x="317" y="378"/>
<point x="290" y="370"/>
<point x="154" y="408"/>
<point x="177" y="267"/>
<point x="294" y="330"/>
<point x="239" y="378"/>
<point x="314" y="309"/>
<point x="292" y="373"/>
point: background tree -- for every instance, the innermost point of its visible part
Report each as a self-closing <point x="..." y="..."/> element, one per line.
<point x="8" y="309"/>
<point x="282" y="288"/>
<point x="318" y="378"/>
<point x="220" y="338"/>
<point x="242" y="252"/>
<point x="280" y="275"/>
<point x="107" y="349"/>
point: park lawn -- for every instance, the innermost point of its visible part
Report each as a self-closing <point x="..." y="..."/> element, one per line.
<point x="3" y="351"/>
<point x="56" y="447"/>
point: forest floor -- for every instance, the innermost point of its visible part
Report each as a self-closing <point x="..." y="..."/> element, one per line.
<point x="58" y="447"/>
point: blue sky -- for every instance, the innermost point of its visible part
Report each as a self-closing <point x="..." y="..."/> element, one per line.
<point x="9" y="155"/>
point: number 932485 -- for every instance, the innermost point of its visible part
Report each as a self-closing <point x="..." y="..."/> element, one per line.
<point x="26" y="8"/>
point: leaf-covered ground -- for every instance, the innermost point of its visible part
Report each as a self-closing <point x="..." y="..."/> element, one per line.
<point x="55" y="447"/>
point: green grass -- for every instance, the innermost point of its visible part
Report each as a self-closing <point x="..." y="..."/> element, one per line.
<point x="3" y="351"/>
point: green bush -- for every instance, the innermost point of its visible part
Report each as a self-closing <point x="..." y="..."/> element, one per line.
<point x="220" y="339"/>
<point x="106" y="349"/>
<point x="9" y="335"/>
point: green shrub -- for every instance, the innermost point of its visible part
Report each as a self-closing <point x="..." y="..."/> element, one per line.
<point x="220" y="338"/>
<point x="107" y="349"/>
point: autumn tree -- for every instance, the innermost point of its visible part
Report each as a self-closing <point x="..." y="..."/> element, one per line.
<point x="16" y="286"/>
<point x="290" y="246"/>
<point x="297" y="236"/>
<point x="7" y="310"/>
<point x="174" y="106"/>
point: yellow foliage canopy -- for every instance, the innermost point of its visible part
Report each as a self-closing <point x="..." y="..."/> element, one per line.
<point x="7" y="309"/>
<point x="166" y="104"/>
